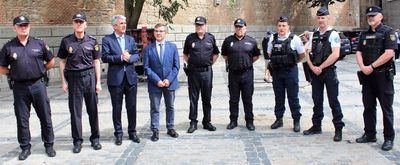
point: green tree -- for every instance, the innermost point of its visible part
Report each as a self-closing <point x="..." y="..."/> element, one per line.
<point x="317" y="3"/>
<point x="133" y="9"/>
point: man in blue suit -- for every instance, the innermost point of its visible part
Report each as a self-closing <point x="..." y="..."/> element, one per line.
<point x="120" y="52"/>
<point x="161" y="62"/>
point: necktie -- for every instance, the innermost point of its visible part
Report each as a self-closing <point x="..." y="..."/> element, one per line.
<point x="121" y="44"/>
<point x="161" y="52"/>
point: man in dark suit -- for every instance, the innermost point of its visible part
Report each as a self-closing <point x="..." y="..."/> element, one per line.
<point x="161" y="62"/>
<point x="119" y="51"/>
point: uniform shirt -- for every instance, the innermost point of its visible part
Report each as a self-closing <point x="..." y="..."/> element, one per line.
<point x="26" y="62"/>
<point x="334" y="38"/>
<point x="200" y="51"/>
<point x="238" y="51"/>
<point x="389" y="37"/>
<point x="295" y="44"/>
<point x="79" y="53"/>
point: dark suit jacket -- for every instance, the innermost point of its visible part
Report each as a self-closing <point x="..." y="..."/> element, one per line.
<point x="159" y="70"/>
<point x="111" y="54"/>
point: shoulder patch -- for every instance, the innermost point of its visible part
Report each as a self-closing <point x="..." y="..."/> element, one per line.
<point x="92" y="37"/>
<point x="392" y="37"/>
<point x="337" y="40"/>
<point x="96" y="47"/>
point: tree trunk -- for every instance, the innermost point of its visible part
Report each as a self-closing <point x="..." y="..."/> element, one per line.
<point x="133" y="9"/>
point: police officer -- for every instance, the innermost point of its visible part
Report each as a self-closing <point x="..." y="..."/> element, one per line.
<point x="80" y="77"/>
<point x="200" y="52"/>
<point x="25" y="56"/>
<point x="240" y="51"/>
<point x="374" y="56"/>
<point x="286" y="50"/>
<point x="325" y="48"/>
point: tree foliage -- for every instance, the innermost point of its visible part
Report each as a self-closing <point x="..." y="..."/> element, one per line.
<point x="167" y="10"/>
<point x="318" y="3"/>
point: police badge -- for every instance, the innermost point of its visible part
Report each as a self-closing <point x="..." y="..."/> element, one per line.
<point x="14" y="56"/>
<point x="231" y="44"/>
<point x="365" y="42"/>
<point x="193" y="45"/>
<point x="70" y="50"/>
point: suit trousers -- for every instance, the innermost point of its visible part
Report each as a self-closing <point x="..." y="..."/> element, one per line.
<point x="117" y="94"/>
<point x="155" y="99"/>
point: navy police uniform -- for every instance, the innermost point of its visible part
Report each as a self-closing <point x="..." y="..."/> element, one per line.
<point x="27" y="69"/>
<point x="240" y="55"/>
<point x="200" y="74"/>
<point x="285" y="52"/>
<point x="378" y="84"/>
<point x="80" y="75"/>
<point x="321" y="48"/>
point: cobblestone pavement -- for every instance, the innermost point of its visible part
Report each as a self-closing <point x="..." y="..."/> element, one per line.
<point x="237" y="146"/>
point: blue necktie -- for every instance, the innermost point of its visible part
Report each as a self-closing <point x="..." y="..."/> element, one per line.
<point x="161" y="53"/>
<point x="121" y="44"/>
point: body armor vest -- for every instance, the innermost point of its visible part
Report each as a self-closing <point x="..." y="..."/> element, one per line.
<point x="372" y="47"/>
<point x="282" y="54"/>
<point x="321" y="47"/>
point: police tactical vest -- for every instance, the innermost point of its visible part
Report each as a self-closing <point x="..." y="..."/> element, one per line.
<point x="282" y="54"/>
<point x="321" y="47"/>
<point x="372" y="47"/>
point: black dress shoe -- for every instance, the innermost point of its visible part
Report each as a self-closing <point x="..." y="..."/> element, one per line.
<point x="366" y="139"/>
<point x="192" y="128"/>
<point x="313" y="130"/>
<point x="77" y="148"/>
<point x="338" y="135"/>
<point x="387" y="145"/>
<point x="134" y="138"/>
<point x="172" y="133"/>
<point x="96" y="145"/>
<point x="118" y="141"/>
<point x="50" y="152"/>
<point x="250" y="126"/>
<point x="24" y="154"/>
<point x="209" y="127"/>
<point x="154" y="137"/>
<point x="278" y="123"/>
<point x="296" y="125"/>
<point x="232" y="125"/>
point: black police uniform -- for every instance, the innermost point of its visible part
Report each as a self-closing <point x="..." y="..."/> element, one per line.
<point x="240" y="55"/>
<point x="378" y="84"/>
<point x="200" y="75"/>
<point x="26" y="71"/>
<point x="80" y="75"/>
<point x="321" y="50"/>
<point x="286" y="76"/>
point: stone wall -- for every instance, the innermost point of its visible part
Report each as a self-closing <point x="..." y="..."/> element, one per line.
<point x="391" y="13"/>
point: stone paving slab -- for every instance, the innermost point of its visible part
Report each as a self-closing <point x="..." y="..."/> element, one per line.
<point x="237" y="146"/>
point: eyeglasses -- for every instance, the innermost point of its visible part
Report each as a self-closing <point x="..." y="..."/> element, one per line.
<point x="159" y="31"/>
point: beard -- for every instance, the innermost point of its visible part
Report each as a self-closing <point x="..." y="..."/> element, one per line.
<point x="371" y="23"/>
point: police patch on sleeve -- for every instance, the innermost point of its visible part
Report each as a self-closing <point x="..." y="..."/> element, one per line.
<point x="96" y="47"/>
<point x="47" y="47"/>
<point x="393" y="37"/>
<point x="337" y="40"/>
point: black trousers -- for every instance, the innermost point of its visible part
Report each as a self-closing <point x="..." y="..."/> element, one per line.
<point x="117" y="93"/>
<point x="328" y="78"/>
<point x="34" y="94"/>
<point x="378" y="86"/>
<point x="79" y="88"/>
<point x="200" y="81"/>
<point x="241" y="82"/>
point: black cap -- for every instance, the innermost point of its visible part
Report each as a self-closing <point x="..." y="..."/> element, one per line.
<point x="323" y="11"/>
<point x="200" y="20"/>
<point x="20" y="20"/>
<point x="373" y="10"/>
<point x="240" y="22"/>
<point x="283" y="19"/>
<point x="79" y="16"/>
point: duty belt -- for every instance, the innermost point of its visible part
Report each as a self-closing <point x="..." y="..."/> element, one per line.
<point x="80" y="73"/>
<point x="29" y="82"/>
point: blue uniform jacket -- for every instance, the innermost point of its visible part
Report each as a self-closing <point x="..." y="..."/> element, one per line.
<point x="159" y="70"/>
<point x="111" y="54"/>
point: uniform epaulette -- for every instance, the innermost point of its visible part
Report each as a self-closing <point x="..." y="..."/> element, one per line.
<point x="92" y="37"/>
